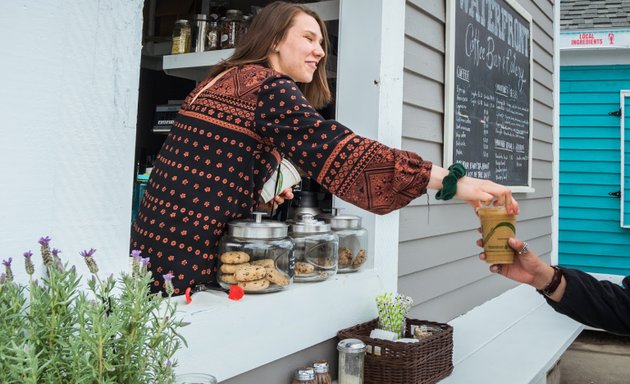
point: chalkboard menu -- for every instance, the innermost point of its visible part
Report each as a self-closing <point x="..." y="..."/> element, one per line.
<point x="489" y="91"/>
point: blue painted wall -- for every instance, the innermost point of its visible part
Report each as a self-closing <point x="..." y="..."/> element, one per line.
<point x="590" y="236"/>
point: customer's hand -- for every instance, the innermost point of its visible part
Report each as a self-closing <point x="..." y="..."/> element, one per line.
<point x="527" y="267"/>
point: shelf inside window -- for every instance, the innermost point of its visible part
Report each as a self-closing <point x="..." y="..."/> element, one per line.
<point x="195" y="66"/>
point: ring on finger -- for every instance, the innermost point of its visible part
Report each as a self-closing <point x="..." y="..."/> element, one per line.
<point x="523" y="250"/>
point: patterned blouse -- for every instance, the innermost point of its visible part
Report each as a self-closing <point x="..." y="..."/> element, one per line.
<point x="227" y="142"/>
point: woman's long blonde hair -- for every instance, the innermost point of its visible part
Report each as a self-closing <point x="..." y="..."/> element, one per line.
<point x="268" y="29"/>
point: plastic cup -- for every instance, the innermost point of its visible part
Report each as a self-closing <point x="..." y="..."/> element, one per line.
<point x="497" y="226"/>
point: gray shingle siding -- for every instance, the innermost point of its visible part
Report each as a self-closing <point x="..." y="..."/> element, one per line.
<point x="593" y="14"/>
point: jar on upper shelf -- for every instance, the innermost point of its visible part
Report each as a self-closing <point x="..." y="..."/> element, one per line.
<point x="231" y="28"/>
<point x="213" y="37"/>
<point x="315" y="249"/>
<point x="353" y="240"/>
<point x="256" y="255"/>
<point x="182" y="33"/>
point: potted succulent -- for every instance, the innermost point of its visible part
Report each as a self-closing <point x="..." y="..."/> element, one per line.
<point x="53" y="330"/>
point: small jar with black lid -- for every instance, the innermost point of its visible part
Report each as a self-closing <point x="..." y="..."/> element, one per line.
<point x="256" y="255"/>
<point x="315" y="249"/>
<point x="353" y="241"/>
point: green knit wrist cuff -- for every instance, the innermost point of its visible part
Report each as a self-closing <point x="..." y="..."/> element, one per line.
<point x="449" y="183"/>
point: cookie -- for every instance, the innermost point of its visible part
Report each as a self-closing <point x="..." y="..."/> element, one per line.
<point x="250" y="273"/>
<point x="255" y="285"/>
<point x="231" y="268"/>
<point x="345" y="256"/>
<point x="359" y="258"/>
<point x="228" y="278"/>
<point x="302" y="268"/>
<point x="267" y="263"/>
<point x="276" y="277"/>
<point x="234" y="257"/>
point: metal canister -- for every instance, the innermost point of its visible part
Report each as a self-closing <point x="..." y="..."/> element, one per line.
<point x="200" y="32"/>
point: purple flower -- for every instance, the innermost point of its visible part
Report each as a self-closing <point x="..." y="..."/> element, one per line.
<point x="7" y="267"/>
<point x="168" y="284"/>
<point x="145" y="261"/>
<point x="89" y="253"/>
<point x="43" y="241"/>
<point x="56" y="252"/>
<point x="28" y="263"/>
<point x="135" y="253"/>
<point x="87" y="256"/>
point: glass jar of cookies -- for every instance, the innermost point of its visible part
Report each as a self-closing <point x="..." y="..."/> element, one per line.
<point x="353" y="241"/>
<point x="256" y="255"/>
<point x="315" y="249"/>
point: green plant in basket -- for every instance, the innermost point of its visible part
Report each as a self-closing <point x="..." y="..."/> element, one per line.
<point x="392" y="311"/>
<point x="54" y="331"/>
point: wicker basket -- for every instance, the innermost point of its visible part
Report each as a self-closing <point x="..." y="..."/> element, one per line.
<point x="425" y="362"/>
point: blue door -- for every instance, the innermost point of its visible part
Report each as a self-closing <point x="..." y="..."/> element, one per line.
<point x="590" y="234"/>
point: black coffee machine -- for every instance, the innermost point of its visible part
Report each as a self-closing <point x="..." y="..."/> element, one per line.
<point x="309" y="197"/>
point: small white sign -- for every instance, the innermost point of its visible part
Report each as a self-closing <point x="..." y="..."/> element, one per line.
<point x="594" y="39"/>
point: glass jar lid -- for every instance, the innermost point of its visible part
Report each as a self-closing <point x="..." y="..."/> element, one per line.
<point x="257" y="228"/>
<point x="233" y="14"/>
<point x="326" y="216"/>
<point x="351" y="346"/>
<point x="345" y="222"/>
<point x="320" y="367"/>
<point x="306" y="223"/>
<point x="305" y="374"/>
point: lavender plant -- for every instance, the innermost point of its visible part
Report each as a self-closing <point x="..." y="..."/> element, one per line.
<point x="115" y="332"/>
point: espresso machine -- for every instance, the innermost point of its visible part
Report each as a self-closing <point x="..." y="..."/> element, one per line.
<point x="309" y="197"/>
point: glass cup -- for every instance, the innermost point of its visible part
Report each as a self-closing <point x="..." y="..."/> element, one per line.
<point x="195" y="378"/>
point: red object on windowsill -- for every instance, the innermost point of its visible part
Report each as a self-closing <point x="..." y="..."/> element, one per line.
<point x="236" y="293"/>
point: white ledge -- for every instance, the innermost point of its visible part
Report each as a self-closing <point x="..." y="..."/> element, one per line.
<point x="226" y="338"/>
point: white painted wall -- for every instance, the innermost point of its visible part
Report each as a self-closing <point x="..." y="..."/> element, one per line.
<point x="69" y="76"/>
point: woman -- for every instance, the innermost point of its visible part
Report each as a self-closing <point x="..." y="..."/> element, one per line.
<point x="235" y="127"/>
<point x="599" y="304"/>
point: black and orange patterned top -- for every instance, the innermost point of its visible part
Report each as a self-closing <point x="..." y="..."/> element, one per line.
<point x="223" y="147"/>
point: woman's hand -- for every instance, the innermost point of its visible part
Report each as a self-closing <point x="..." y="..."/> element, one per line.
<point x="477" y="192"/>
<point x="269" y="207"/>
<point x="287" y="194"/>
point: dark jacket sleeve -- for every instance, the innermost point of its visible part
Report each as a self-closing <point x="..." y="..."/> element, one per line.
<point x="599" y="304"/>
<point x="359" y="170"/>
